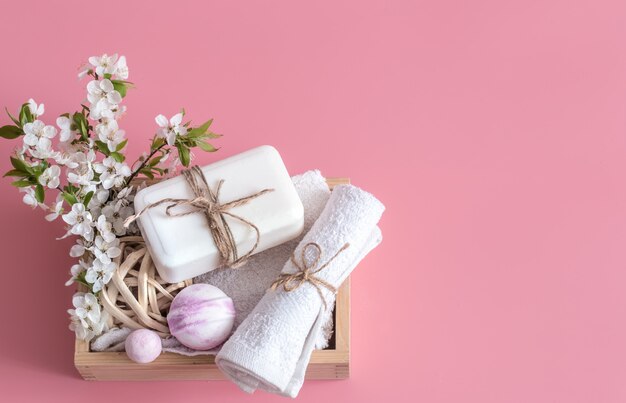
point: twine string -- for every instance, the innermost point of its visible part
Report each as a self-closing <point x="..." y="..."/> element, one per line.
<point x="307" y="271"/>
<point x="207" y="201"/>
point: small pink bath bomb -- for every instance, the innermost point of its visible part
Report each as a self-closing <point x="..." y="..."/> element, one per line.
<point x="143" y="346"/>
<point x="201" y="316"/>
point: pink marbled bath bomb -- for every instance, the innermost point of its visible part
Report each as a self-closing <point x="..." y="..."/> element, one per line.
<point x="201" y="316"/>
<point x="143" y="346"/>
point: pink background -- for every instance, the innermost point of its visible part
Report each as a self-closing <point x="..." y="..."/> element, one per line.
<point x="495" y="133"/>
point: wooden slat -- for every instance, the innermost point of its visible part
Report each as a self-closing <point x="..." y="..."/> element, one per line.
<point x="325" y="364"/>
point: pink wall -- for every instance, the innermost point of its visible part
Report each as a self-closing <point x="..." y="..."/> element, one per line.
<point x="495" y="132"/>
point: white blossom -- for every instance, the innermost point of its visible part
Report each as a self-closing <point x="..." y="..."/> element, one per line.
<point x="76" y="270"/>
<point x="66" y="159"/>
<point x="56" y="209"/>
<point x="104" y="64"/>
<point x="65" y="124"/>
<point x="97" y="201"/>
<point x="80" y="219"/>
<point x="105" y="251"/>
<point x="105" y="228"/>
<point x="30" y="199"/>
<point x="112" y="173"/>
<point x="110" y="134"/>
<point x="115" y="113"/>
<point x="87" y="331"/>
<point x="87" y="319"/>
<point x="116" y="213"/>
<point x="50" y="177"/>
<point x="121" y="69"/>
<point x="86" y="307"/>
<point x="78" y="250"/>
<point x="35" y="110"/>
<point x="83" y="174"/>
<point x="102" y="96"/>
<point x="170" y="129"/>
<point x="37" y="134"/>
<point x="100" y="274"/>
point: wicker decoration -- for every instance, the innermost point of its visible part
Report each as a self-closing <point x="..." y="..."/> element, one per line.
<point x="136" y="297"/>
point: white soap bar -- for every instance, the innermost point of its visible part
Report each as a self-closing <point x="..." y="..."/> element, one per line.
<point x="182" y="247"/>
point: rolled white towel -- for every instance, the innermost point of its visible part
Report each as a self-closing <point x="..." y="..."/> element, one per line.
<point x="272" y="347"/>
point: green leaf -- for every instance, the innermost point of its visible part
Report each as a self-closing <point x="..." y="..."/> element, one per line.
<point x="87" y="198"/>
<point x="10" y="132"/>
<point x="25" y="115"/>
<point x="200" y="130"/>
<point x="70" y="198"/>
<point x="120" y="87"/>
<point x="22" y="183"/>
<point x="183" y="154"/>
<point x="147" y="173"/>
<point x="157" y="142"/>
<point x="102" y="146"/>
<point x="81" y="124"/>
<point x="17" y="122"/>
<point x="16" y="173"/>
<point x="81" y="279"/>
<point x="206" y="146"/>
<point x="20" y="165"/>
<point x="117" y="156"/>
<point x="121" y="145"/>
<point x="40" y="194"/>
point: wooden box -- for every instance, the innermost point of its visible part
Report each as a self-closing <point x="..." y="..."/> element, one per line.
<point x="330" y="363"/>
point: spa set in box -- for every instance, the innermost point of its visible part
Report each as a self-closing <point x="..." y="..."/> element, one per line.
<point x="234" y="270"/>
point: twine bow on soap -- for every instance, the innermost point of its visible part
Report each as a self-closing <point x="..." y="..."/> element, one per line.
<point x="207" y="201"/>
<point x="307" y="271"/>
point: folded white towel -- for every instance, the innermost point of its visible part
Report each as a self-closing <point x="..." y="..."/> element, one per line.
<point x="272" y="347"/>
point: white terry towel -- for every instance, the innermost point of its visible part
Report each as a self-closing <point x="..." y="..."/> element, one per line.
<point x="272" y="347"/>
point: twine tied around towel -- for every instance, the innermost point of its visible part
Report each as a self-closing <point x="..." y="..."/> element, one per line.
<point x="307" y="271"/>
<point x="207" y="201"/>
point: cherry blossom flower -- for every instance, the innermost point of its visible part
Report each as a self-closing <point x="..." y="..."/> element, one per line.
<point x="65" y="124"/>
<point x="80" y="219"/>
<point x="56" y="209"/>
<point x="105" y="251"/>
<point x="83" y="174"/>
<point x="79" y="249"/>
<point x="29" y="198"/>
<point x="66" y="159"/>
<point x="76" y="270"/>
<point x="98" y="200"/>
<point x="110" y="133"/>
<point x="50" y="177"/>
<point x="102" y="96"/>
<point x="100" y="274"/>
<point x="116" y="112"/>
<point x="86" y="307"/>
<point x="37" y="134"/>
<point x="105" y="229"/>
<point x="85" y="331"/>
<point x="104" y="64"/>
<point x="170" y="129"/>
<point x="112" y="173"/>
<point x="121" y="69"/>
<point x="87" y="319"/>
<point x="116" y="213"/>
<point x="35" y="110"/>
